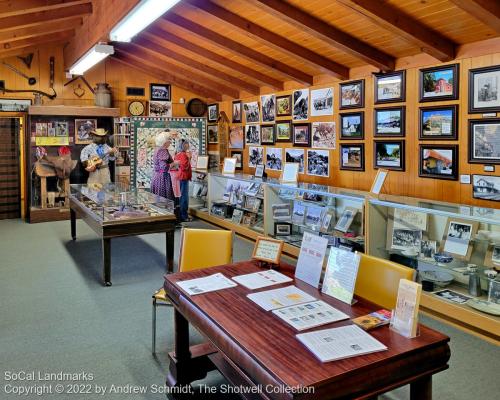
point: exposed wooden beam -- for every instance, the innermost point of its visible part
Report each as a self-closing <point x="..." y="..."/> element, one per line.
<point x="20" y="7"/>
<point x="397" y="22"/>
<point x="161" y="34"/>
<point x="271" y="39"/>
<point x="34" y="31"/>
<point x="157" y="73"/>
<point x="147" y="41"/>
<point x="51" y="37"/>
<point x="486" y="11"/>
<point x="243" y="51"/>
<point x="161" y="60"/>
<point x="327" y="33"/>
<point x="18" y="52"/>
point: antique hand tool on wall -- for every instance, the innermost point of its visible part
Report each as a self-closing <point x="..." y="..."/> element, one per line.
<point x="31" y="80"/>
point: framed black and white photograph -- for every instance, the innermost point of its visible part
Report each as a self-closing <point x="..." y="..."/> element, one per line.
<point x="267" y="134"/>
<point x="486" y="187"/>
<point x="236" y="112"/>
<point x="318" y="162"/>
<point x="160" y="108"/>
<point x="344" y="222"/>
<point x="213" y="133"/>
<point x="389" y="122"/>
<point x="252" y="134"/>
<point x="484" y="85"/>
<point x="352" y="94"/>
<point x="323" y="135"/>
<point x="293" y="155"/>
<point x="282" y="211"/>
<point x="352" y="126"/>
<point x="438" y="123"/>
<point x="284" y="131"/>
<point x="439" y="83"/>
<point x="457" y="237"/>
<point x="389" y="155"/>
<point x="237" y="216"/>
<point x="251" y="110"/>
<point x="239" y="159"/>
<point x="302" y="135"/>
<point x="492" y="257"/>
<point x="83" y="127"/>
<point x="428" y="248"/>
<point x="282" y="229"/>
<point x="438" y="161"/>
<point x="484" y="141"/>
<point x="301" y="104"/>
<point x="390" y="87"/>
<point x="14" y="105"/>
<point x="268" y="104"/>
<point x="160" y="92"/>
<point x="322" y="102"/>
<point x="255" y="156"/>
<point x="452" y="296"/>
<point x="404" y="239"/>
<point x="274" y="158"/>
<point x="213" y="112"/>
<point x="352" y="156"/>
<point x="284" y="105"/>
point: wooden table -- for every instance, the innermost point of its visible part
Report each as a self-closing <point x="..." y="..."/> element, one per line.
<point x="252" y="347"/>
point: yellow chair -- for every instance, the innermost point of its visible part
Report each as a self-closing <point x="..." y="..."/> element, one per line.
<point x="378" y="280"/>
<point x="200" y="248"/>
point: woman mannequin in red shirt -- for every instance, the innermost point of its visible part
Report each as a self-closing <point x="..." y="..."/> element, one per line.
<point x="183" y="157"/>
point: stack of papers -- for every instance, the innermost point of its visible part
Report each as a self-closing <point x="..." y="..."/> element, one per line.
<point x="207" y="284"/>
<point x="261" y="279"/>
<point x="278" y="298"/>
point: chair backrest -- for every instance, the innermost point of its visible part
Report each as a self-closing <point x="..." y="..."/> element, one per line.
<point x="378" y="280"/>
<point x="202" y="248"/>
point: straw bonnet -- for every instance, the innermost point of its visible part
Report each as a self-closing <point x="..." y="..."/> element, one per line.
<point x="99" y="132"/>
<point x="162" y="137"/>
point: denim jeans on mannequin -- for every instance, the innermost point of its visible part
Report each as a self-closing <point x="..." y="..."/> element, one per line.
<point x="184" y="203"/>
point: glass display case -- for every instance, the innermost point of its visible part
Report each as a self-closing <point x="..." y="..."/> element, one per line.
<point x="198" y="191"/>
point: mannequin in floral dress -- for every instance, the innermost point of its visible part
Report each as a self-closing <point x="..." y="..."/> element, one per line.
<point x="161" y="183"/>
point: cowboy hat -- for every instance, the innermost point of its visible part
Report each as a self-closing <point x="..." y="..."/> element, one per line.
<point x="99" y="132"/>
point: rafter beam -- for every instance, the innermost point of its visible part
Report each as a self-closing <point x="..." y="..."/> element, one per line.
<point x="20" y="7"/>
<point x="243" y="51"/>
<point x="138" y="64"/>
<point x="161" y="60"/>
<point x="485" y="11"/>
<point x="327" y="33"/>
<point x="162" y="35"/>
<point x="34" y="31"/>
<point x="271" y="39"/>
<point x="51" y="37"/>
<point x="18" y="52"/>
<point x="397" y="22"/>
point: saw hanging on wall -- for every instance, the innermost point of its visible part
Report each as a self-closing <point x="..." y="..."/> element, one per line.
<point x="31" y="80"/>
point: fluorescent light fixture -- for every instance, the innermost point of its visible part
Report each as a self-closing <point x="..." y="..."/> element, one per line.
<point x="142" y="15"/>
<point x="96" y="54"/>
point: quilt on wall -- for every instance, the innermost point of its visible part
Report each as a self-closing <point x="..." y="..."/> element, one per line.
<point x="145" y="130"/>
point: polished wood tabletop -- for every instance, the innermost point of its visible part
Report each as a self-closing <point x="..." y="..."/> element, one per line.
<point x="266" y="351"/>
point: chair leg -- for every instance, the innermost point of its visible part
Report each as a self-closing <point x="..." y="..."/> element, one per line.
<point x="153" y="344"/>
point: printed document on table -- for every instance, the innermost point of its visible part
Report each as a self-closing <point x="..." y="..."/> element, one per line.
<point x="338" y="343"/>
<point x="206" y="284"/>
<point x="279" y="298"/>
<point x="261" y="279"/>
<point x="310" y="315"/>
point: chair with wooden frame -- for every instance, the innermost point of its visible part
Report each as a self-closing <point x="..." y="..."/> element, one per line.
<point x="200" y="248"/>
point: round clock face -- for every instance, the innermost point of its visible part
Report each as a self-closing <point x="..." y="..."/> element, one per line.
<point x="136" y="108"/>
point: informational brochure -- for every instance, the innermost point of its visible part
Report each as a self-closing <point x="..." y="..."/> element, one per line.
<point x="340" y="275"/>
<point x="261" y="279"/>
<point x="311" y="257"/>
<point x="206" y="284"/>
<point x="309" y="315"/>
<point x="338" y="343"/>
<point x="279" y="298"/>
<point x="405" y="316"/>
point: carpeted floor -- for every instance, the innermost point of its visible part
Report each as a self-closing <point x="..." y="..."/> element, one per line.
<point x="55" y="316"/>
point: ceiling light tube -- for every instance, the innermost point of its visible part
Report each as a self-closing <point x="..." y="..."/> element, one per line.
<point x="96" y="54"/>
<point x="142" y="15"/>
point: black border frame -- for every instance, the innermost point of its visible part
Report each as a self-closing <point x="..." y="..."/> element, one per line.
<point x="362" y="115"/>
<point x="289" y="102"/>
<point x="362" y="104"/>
<point x="401" y="99"/>
<point x="402" y="110"/>
<point x="234" y="121"/>
<point x="289" y="122"/>
<point x="362" y="146"/>
<point x="274" y="133"/>
<point x="308" y="144"/>
<point x="472" y="72"/>
<point x="166" y="85"/>
<point x="454" y="110"/>
<point x="453" y="147"/>
<point x="456" y="83"/>
<point x="402" y="152"/>
<point x="208" y="112"/>
<point x="473" y="122"/>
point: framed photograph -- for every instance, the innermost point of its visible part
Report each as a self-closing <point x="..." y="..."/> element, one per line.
<point x="255" y="156"/>
<point x="352" y="156"/>
<point x="62" y="128"/>
<point x="438" y="161"/>
<point x="202" y="162"/>
<point x="281" y="211"/>
<point x="301" y="104"/>
<point x="492" y="258"/>
<point x="302" y="135"/>
<point x="284" y="105"/>
<point x="428" y="248"/>
<point x="298" y="213"/>
<point x="239" y="159"/>
<point x="229" y="165"/>
<point x="284" y="131"/>
<point x="404" y="239"/>
<point x="236" y="134"/>
<point x="267" y="134"/>
<point x="484" y="85"/>
<point x="41" y="129"/>
<point x="438" y="123"/>
<point x="452" y="296"/>
<point x="237" y="216"/>
<point x="267" y="250"/>
<point x="213" y="133"/>
<point x="390" y="87"/>
<point x="318" y="162"/>
<point x="352" y="126"/>
<point x="293" y="155"/>
<point x="346" y="219"/>
<point x="389" y="122"/>
<point x="439" y="83"/>
<point x="213" y="112"/>
<point x="290" y="172"/>
<point x="252" y="203"/>
<point x="83" y="127"/>
<point x="160" y="91"/>
<point x="274" y="158"/>
<point x="389" y="155"/>
<point x="252" y="114"/>
<point x="160" y="108"/>
<point x="486" y="187"/>
<point x="282" y="229"/>
<point x="313" y="217"/>
<point x="236" y="112"/>
<point x="268" y="104"/>
<point x="323" y="135"/>
<point x="321" y="102"/>
<point x="252" y="134"/>
<point x="14" y="105"/>
<point x="457" y="237"/>
<point x="326" y="221"/>
<point x="352" y="94"/>
<point x="484" y="141"/>
<point x="259" y="171"/>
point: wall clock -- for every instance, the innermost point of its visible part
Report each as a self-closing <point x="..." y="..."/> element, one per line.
<point x="137" y="108"/>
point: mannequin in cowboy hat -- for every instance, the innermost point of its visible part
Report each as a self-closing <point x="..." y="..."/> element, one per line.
<point x="96" y="156"/>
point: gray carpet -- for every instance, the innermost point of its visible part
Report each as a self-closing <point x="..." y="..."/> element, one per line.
<point x="56" y="316"/>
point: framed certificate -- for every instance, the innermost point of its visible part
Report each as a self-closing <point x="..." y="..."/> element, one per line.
<point x="202" y="162"/>
<point x="229" y="165"/>
<point x="379" y="180"/>
<point x="267" y="250"/>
